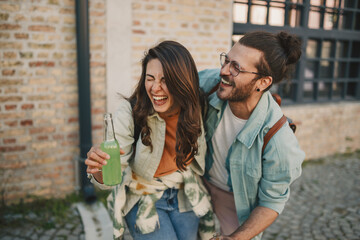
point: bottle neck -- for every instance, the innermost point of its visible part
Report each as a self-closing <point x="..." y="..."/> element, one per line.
<point x="109" y="134"/>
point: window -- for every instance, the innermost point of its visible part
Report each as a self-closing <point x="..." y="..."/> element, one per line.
<point x="329" y="69"/>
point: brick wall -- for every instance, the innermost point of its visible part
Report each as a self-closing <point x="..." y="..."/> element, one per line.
<point x="38" y="94"/>
<point x="202" y="26"/>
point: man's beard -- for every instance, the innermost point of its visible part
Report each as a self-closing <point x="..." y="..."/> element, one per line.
<point x="238" y="93"/>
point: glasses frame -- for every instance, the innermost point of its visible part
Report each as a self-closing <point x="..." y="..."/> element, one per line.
<point x="236" y="69"/>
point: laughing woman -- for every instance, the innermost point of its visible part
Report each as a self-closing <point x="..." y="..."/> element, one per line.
<point x="161" y="195"/>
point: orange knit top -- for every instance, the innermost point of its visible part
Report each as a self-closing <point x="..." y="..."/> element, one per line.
<point x="167" y="163"/>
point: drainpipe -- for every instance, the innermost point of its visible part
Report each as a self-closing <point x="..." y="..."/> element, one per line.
<point x="83" y="69"/>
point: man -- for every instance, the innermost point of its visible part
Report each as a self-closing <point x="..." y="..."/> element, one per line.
<point x="249" y="188"/>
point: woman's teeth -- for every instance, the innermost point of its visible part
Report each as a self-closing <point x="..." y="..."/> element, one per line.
<point x="159" y="98"/>
<point x="225" y="82"/>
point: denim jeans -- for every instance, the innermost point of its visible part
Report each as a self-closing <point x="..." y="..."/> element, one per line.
<point x="173" y="224"/>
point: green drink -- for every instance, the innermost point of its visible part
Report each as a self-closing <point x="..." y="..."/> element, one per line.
<point x="112" y="170"/>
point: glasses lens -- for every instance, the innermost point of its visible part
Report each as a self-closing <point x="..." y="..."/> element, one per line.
<point x="222" y="59"/>
<point x="234" y="69"/>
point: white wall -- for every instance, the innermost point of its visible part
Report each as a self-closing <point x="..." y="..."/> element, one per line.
<point x="118" y="57"/>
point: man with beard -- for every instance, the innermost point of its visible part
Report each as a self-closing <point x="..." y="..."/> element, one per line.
<point x="249" y="187"/>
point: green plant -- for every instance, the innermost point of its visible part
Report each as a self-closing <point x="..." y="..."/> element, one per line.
<point x="39" y="211"/>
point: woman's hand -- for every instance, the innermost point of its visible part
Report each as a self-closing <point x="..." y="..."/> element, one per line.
<point x="96" y="159"/>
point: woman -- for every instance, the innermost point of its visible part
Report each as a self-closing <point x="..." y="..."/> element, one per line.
<point x="161" y="195"/>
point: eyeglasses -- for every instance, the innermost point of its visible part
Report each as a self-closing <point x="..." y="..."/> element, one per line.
<point x="234" y="66"/>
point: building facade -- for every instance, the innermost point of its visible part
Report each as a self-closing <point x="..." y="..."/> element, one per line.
<point x="39" y="110"/>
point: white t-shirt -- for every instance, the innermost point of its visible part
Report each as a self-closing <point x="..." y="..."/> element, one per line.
<point x="225" y="134"/>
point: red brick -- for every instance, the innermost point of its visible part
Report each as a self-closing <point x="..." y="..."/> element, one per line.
<point x="73" y="104"/>
<point x="21" y="35"/>
<point x="73" y="135"/>
<point x="11" y="156"/>
<point x="8" y="72"/>
<point x="41" y="64"/>
<point x="97" y="64"/>
<point x="67" y="11"/>
<point x="11" y="90"/>
<point x="7" y="26"/>
<point x="12" y="115"/>
<point x="43" y="137"/>
<point x="95" y="127"/>
<point x="27" y="122"/>
<point x="27" y="106"/>
<point x="12" y="148"/>
<point x="4" y="16"/>
<point x="9" y="82"/>
<point x="41" y="28"/>
<point x="40" y="97"/>
<point x="42" y="130"/>
<point x="9" y="140"/>
<point x="71" y="120"/>
<point x="11" y="123"/>
<point x="96" y="14"/>
<point x="97" y="111"/>
<point x="138" y="31"/>
<point x="11" y="99"/>
<point x="41" y="45"/>
<point x="9" y="55"/>
<point x="11" y="45"/>
<point x="10" y="107"/>
<point x="11" y="63"/>
<point x="58" y="137"/>
<point x="17" y="165"/>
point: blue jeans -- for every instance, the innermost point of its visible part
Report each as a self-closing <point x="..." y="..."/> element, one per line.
<point x="173" y="224"/>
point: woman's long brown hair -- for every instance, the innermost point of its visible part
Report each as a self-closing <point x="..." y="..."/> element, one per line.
<point x="182" y="80"/>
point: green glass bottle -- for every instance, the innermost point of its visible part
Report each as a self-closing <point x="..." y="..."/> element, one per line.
<point x="112" y="170"/>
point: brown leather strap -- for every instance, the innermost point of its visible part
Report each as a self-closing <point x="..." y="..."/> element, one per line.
<point x="277" y="98"/>
<point x="273" y="130"/>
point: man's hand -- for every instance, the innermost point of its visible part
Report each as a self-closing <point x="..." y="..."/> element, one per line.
<point x="260" y="218"/>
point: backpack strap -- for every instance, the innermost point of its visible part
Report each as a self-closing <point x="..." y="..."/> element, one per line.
<point x="277" y="98"/>
<point x="272" y="131"/>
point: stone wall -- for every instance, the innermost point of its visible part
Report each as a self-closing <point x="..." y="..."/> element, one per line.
<point x="326" y="129"/>
<point x="38" y="94"/>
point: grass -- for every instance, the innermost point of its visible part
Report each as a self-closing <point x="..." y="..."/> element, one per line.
<point x="42" y="212"/>
<point x="323" y="160"/>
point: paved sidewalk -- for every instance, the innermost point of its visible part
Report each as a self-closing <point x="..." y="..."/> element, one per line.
<point x="324" y="204"/>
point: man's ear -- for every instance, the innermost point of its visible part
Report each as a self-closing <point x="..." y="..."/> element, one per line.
<point x="265" y="82"/>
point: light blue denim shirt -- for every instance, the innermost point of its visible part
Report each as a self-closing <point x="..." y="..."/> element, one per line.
<point x="255" y="179"/>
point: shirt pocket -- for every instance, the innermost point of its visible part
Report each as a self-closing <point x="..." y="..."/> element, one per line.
<point x="141" y="159"/>
<point x="253" y="177"/>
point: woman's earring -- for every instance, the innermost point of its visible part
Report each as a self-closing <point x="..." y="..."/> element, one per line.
<point x="258" y="90"/>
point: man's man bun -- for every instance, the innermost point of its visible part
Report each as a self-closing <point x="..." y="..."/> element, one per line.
<point x="291" y="46"/>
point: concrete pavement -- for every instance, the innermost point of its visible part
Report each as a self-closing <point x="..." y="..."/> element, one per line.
<point x="324" y="204"/>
